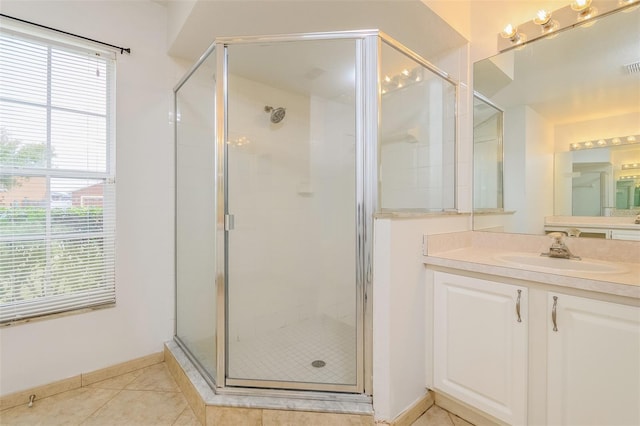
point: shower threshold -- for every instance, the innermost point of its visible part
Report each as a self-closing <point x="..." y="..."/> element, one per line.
<point x="258" y="406"/>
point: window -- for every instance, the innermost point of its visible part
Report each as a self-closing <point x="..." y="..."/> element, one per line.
<point x="57" y="174"/>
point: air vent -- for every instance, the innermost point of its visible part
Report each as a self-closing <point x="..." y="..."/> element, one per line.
<point x="633" y="67"/>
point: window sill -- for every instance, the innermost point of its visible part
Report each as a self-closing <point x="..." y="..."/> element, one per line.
<point x="58" y="315"/>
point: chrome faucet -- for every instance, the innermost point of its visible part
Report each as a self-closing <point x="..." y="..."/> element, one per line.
<point x="558" y="248"/>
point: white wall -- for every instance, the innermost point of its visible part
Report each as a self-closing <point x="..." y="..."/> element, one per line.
<point x="45" y="351"/>
<point x="401" y="322"/>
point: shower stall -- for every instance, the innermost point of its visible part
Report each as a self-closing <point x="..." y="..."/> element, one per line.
<point x="286" y="146"/>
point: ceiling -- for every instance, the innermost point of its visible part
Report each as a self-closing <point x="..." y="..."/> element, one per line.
<point x="411" y="21"/>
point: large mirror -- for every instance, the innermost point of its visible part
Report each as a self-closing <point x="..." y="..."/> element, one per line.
<point x="571" y="128"/>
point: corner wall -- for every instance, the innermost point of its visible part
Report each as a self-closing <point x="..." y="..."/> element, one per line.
<point x="401" y="322"/>
<point x="44" y="351"/>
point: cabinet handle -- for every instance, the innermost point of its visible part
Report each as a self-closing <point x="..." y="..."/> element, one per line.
<point x="553" y="313"/>
<point x="518" y="306"/>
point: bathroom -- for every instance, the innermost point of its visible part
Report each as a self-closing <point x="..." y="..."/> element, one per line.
<point x="166" y="39"/>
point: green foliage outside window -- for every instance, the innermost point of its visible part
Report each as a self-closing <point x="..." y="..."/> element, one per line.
<point x="24" y="261"/>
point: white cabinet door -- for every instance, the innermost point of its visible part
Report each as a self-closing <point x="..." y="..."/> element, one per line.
<point x="480" y="347"/>
<point x="593" y="362"/>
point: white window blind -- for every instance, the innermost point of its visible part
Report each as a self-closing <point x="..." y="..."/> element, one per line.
<point x="57" y="174"/>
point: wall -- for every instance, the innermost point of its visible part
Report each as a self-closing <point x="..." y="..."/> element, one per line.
<point x="401" y="323"/>
<point x="45" y="351"/>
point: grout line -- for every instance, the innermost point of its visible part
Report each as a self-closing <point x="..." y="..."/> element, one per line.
<point x="181" y="413"/>
<point x="102" y="406"/>
<point x="152" y="390"/>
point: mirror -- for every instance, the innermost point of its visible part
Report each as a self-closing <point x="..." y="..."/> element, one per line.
<point x="571" y="126"/>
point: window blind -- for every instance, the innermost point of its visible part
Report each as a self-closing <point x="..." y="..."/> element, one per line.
<point x="57" y="177"/>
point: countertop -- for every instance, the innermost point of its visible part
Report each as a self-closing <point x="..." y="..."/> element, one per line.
<point x="600" y="222"/>
<point x="461" y="253"/>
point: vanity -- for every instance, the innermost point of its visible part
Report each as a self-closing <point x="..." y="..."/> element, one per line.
<point x="520" y="341"/>
<point x="617" y="228"/>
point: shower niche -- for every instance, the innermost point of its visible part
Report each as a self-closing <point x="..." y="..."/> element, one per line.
<point x="286" y="147"/>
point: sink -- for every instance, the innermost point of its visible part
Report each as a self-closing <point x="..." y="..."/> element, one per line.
<point x="561" y="265"/>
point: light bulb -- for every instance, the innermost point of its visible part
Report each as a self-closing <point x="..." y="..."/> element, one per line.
<point x="602" y="142"/>
<point x="631" y="139"/>
<point x="509" y="31"/>
<point x="580" y="5"/>
<point x="542" y="17"/>
<point x="616" y="141"/>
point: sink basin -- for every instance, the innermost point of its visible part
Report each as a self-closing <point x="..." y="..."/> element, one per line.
<point x="561" y="265"/>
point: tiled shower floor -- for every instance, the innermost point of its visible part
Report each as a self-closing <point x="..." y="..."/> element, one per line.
<point x="286" y="354"/>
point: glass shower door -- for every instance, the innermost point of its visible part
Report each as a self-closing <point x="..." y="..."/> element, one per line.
<point x="292" y="297"/>
<point x="195" y="216"/>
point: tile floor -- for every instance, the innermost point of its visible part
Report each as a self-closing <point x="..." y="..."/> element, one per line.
<point x="148" y="396"/>
<point x="145" y="397"/>
<point x="436" y="416"/>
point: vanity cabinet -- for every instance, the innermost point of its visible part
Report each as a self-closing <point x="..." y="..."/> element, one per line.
<point x="593" y="363"/>
<point x="480" y="344"/>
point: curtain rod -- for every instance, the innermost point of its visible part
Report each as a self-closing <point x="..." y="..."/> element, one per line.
<point x="121" y="49"/>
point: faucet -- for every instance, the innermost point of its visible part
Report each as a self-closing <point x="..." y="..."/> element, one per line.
<point x="558" y="248"/>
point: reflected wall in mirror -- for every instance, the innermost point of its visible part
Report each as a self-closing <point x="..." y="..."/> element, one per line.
<point x="487" y="156"/>
<point x="578" y="87"/>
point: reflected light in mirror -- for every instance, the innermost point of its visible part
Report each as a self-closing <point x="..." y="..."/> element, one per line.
<point x="630" y="166"/>
<point x="628" y="140"/>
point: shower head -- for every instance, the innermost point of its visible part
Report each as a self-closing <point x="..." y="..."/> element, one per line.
<point x="277" y="114"/>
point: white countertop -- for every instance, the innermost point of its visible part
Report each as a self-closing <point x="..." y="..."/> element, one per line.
<point x="486" y="260"/>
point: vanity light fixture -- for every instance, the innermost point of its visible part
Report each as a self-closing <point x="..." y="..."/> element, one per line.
<point x="631" y="166"/>
<point x="544" y="25"/>
<point x="604" y="142"/>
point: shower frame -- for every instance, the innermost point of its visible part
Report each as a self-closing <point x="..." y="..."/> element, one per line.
<point x="367" y="106"/>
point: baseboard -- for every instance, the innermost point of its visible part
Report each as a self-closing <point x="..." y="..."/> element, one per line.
<point x="466" y="412"/>
<point x="75" y="382"/>
<point x="413" y="413"/>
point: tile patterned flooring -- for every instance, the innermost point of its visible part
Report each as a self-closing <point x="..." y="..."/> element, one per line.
<point x="148" y="396"/>
<point x="436" y="416"/>
<point x="287" y="353"/>
<point x="145" y="397"/>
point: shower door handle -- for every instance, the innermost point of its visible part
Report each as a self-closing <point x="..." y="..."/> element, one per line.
<point x="229" y="222"/>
